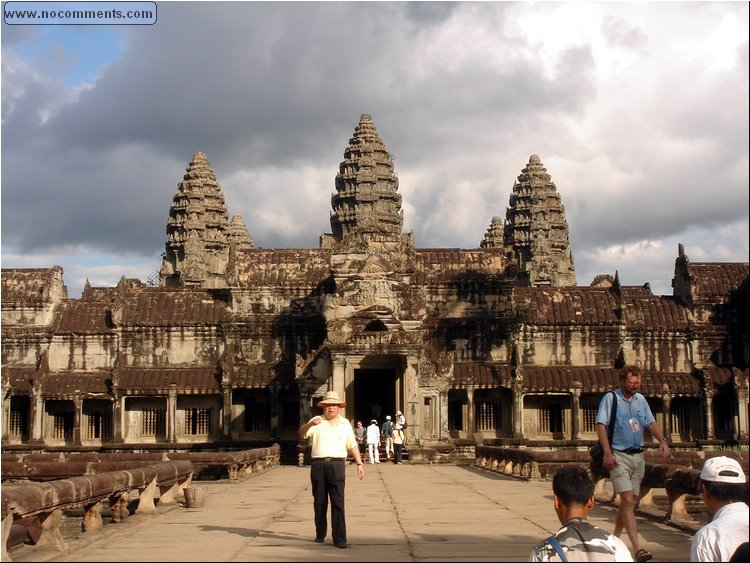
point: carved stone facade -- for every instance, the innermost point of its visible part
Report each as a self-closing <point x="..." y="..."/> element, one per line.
<point x="495" y="343"/>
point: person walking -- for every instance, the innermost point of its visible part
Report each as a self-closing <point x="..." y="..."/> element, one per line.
<point x="373" y="441"/>
<point x="386" y="429"/>
<point x="398" y="443"/>
<point x="724" y="489"/>
<point x="332" y="436"/>
<point x="359" y="433"/>
<point x="400" y="419"/>
<point x="578" y="539"/>
<point x="624" y="456"/>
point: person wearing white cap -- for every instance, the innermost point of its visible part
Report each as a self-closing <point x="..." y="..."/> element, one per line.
<point x="332" y="436"/>
<point x="724" y="489"/>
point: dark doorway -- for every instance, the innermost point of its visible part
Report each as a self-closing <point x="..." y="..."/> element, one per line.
<point x="374" y="394"/>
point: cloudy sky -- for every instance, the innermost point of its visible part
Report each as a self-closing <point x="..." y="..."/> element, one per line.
<point x="639" y="111"/>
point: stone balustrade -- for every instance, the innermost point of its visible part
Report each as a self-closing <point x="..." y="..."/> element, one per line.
<point x="678" y="475"/>
<point x="48" y="466"/>
<point x="46" y="502"/>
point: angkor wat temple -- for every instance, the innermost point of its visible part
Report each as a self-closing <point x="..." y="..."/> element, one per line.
<point x="496" y="344"/>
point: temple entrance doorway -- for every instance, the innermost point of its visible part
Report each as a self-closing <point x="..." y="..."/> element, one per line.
<point x="374" y="394"/>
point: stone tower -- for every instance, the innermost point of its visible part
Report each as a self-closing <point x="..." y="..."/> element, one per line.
<point x="536" y="230"/>
<point x="494" y="237"/>
<point x="366" y="205"/>
<point x="198" y="231"/>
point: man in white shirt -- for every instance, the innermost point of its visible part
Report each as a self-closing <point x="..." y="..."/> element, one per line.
<point x="332" y="439"/>
<point x="724" y="489"/>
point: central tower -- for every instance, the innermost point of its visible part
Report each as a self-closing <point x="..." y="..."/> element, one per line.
<point x="366" y="205"/>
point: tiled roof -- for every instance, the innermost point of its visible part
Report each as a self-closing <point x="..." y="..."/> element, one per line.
<point x="92" y="317"/>
<point x="650" y="312"/>
<point x="65" y="384"/>
<point x="481" y="375"/>
<point x="560" y="378"/>
<point x="19" y="378"/>
<point x="287" y="266"/>
<point x="566" y="306"/>
<point x="678" y="383"/>
<point x="594" y="379"/>
<point x="715" y="281"/>
<point x="149" y="380"/>
<point x="258" y="376"/>
<point x="438" y="265"/>
<point x="169" y="307"/>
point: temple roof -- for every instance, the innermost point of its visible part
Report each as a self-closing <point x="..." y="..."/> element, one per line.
<point x="483" y="376"/>
<point x="714" y="281"/>
<point x="32" y="285"/>
<point x="83" y="317"/>
<point x="258" y="376"/>
<point x="169" y="307"/>
<point x="301" y="267"/>
<point x="147" y="381"/>
<point x="566" y="306"/>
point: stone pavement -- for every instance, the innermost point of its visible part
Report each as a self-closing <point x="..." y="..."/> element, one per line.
<point x="398" y="513"/>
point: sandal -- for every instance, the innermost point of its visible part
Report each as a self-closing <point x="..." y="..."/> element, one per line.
<point x="643" y="555"/>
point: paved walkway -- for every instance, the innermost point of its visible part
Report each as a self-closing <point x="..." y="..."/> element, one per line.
<point x="398" y="513"/>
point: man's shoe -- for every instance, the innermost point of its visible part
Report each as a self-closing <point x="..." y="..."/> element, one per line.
<point x="340" y="545"/>
<point x="319" y="540"/>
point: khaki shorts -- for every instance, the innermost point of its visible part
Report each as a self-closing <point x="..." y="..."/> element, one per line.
<point x="628" y="473"/>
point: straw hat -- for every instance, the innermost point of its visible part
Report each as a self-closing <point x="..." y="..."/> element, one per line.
<point x="331" y="398"/>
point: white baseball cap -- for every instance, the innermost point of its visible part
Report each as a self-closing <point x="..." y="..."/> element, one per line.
<point x="388" y="417"/>
<point x="722" y="469"/>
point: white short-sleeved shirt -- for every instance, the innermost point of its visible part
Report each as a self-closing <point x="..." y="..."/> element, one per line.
<point x="331" y="440"/>
<point x="717" y="540"/>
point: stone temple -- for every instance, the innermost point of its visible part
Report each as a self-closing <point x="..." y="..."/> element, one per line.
<point x="495" y="344"/>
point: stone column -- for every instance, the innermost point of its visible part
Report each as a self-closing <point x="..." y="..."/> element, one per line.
<point x="576" y="410"/>
<point x="412" y="399"/>
<point x="471" y="426"/>
<point x="741" y="387"/>
<point x="517" y="412"/>
<point x="275" y="409"/>
<point x="118" y="410"/>
<point x="172" y="414"/>
<point x="667" y="424"/>
<point x="708" y="399"/>
<point x="444" y="430"/>
<point x="6" y="416"/>
<point x="37" y="415"/>
<point x="77" y="418"/>
<point x="338" y="379"/>
<point x="226" y="421"/>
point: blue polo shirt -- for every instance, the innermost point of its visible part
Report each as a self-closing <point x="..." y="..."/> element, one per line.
<point x="633" y="417"/>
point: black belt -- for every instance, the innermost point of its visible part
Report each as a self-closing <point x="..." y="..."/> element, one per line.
<point x="631" y="451"/>
<point x="329" y="459"/>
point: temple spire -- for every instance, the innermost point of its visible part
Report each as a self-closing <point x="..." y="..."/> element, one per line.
<point x="493" y="238"/>
<point x="366" y="205"/>
<point x="197" y="247"/>
<point x="536" y="229"/>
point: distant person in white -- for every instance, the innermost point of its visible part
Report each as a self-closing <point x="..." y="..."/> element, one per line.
<point x="373" y="441"/>
<point x="724" y="489"/>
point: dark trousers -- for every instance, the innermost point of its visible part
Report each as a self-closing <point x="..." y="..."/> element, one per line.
<point x="399" y="452"/>
<point x="327" y="478"/>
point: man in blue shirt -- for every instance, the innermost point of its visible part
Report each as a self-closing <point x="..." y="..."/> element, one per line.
<point x="624" y="457"/>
